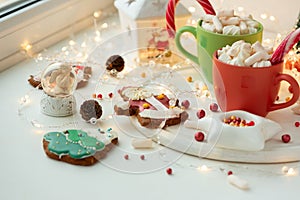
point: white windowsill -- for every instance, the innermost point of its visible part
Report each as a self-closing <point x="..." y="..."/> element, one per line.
<point x="44" y="24"/>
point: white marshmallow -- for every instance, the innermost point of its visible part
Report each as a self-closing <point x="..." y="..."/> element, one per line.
<point x="231" y="30"/>
<point x="244" y="28"/>
<point x="142" y="143"/>
<point x="208" y="26"/>
<point x="238" y="182"/>
<point x="257" y="47"/>
<point x="225" y="13"/>
<point x="258" y="56"/>
<point x="263" y="63"/>
<point x="230" y="21"/>
<point x="224" y="58"/>
<point x="217" y="24"/>
<point x="207" y="18"/>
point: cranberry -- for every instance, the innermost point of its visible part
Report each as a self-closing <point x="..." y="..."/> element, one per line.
<point x="126" y="157"/>
<point x="199" y="136"/>
<point x="229" y="173"/>
<point x="142" y="157"/>
<point x="200" y="113"/>
<point x="185" y="104"/>
<point x="214" y="107"/>
<point x="110" y="95"/>
<point x="251" y="123"/>
<point x="169" y="171"/>
<point x="286" y="138"/>
<point x="297" y="124"/>
<point x="99" y="96"/>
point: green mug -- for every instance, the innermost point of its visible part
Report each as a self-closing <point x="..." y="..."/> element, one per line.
<point x="208" y="42"/>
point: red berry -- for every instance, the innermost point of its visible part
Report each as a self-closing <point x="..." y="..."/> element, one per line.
<point x="99" y="96"/>
<point x="251" y="123"/>
<point x="199" y="136"/>
<point x="214" y="107"/>
<point x="297" y="124"/>
<point x="286" y="138"/>
<point x="110" y="95"/>
<point x="126" y="157"/>
<point x="185" y="104"/>
<point x="169" y="171"/>
<point x="229" y="173"/>
<point x="142" y="157"/>
<point x="200" y="113"/>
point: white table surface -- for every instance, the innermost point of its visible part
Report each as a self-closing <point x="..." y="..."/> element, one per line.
<point x="26" y="172"/>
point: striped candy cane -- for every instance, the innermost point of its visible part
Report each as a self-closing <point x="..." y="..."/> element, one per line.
<point x="170" y="14"/>
<point x="285" y="46"/>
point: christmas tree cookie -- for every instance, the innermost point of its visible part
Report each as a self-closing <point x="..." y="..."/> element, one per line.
<point x="77" y="147"/>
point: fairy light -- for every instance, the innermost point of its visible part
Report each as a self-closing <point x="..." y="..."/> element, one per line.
<point x="203" y="168"/>
<point x="272" y="18"/>
<point x="192" y="9"/>
<point x="97" y="14"/>
<point x="240" y="9"/>
<point x="72" y="42"/>
<point x="264" y="16"/>
<point x="104" y="26"/>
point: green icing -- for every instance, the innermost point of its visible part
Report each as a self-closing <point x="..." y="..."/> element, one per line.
<point x="77" y="144"/>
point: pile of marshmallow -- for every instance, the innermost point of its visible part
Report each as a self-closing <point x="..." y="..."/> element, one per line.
<point x="242" y="53"/>
<point x="225" y="22"/>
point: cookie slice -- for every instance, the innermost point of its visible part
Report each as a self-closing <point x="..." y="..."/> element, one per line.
<point x="77" y="147"/>
<point x="152" y="111"/>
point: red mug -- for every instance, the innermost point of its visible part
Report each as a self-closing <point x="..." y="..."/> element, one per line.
<point x="250" y="89"/>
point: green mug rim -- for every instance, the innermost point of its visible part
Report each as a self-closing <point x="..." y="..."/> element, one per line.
<point x="260" y="29"/>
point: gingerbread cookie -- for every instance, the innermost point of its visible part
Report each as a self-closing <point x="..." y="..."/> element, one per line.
<point x="77" y="147"/>
<point x="152" y="111"/>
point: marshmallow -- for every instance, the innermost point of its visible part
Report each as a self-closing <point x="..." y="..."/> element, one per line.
<point x="258" y="56"/>
<point x="208" y="26"/>
<point x="217" y="24"/>
<point x="263" y="63"/>
<point x="224" y="58"/>
<point x="244" y="28"/>
<point x="230" y="21"/>
<point x="238" y="182"/>
<point x="225" y="18"/>
<point x="225" y="13"/>
<point x="142" y="143"/>
<point x="207" y="18"/>
<point x="231" y="30"/>
<point x="241" y="53"/>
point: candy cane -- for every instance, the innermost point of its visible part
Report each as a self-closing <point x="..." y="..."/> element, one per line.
<point x="170" y="18"/>
<point x="285" y="46"/>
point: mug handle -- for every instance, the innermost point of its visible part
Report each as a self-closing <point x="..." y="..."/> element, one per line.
<point x="182" y="30"/>
<point x="295" y="88"/>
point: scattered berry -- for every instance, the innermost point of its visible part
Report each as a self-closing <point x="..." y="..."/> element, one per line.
<point x="199" y="136"/>
<point x="213" y="107"/>
<point x="169" y="171"/>
<point x="99" y="96"/>
<point x="200" y="113"/>
<point x="229" y="173"/>
<point x="251" y="123"/>
<point x="189" y="79"/>
<point x="297" y="124"/>
<point x="126" y="157"/>
<point x="286" y="138"/>
<point x="185" y="104"/>
<point x="142" y="157"/>
<point x="110" y="95"/>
